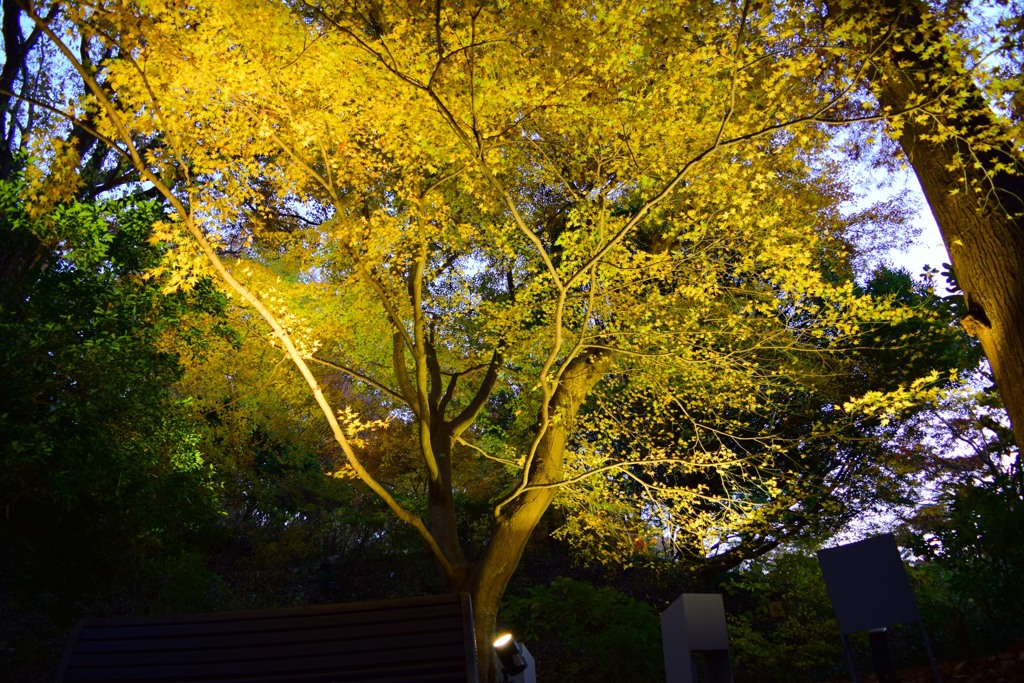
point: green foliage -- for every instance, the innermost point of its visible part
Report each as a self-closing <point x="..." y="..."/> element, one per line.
<point x="781" y="626"/>
<point x="932" y="341"/>
<point x="972" y="576"/>
<point x="109" y="505"/>
<point x="972" y="604"/>
<point x="969" y="536"/>
<point x="580" y="632"/>
<point x="97" y="450"/>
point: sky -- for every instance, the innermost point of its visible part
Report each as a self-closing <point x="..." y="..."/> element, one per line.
<point x="928" y="249"/>
<point x="880" y="185"/>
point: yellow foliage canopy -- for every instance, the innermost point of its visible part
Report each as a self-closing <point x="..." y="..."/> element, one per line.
<point x="523" y="196"/>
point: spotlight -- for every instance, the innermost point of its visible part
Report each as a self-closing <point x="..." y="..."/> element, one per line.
<point x="510" y="656"/>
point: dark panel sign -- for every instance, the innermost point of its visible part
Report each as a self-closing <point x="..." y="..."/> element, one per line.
<point x="868" y="585"/>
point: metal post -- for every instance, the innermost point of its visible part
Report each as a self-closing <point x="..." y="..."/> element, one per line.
<point x="881" y="658"/>
<point x="928" y="649"/>
<point x="849" y="658"/>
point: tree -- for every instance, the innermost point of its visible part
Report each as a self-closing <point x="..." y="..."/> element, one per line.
<point x="839" y="465"/>
<point x="967" y="157"/>
<point x="99" y="459"/>
<point x="967" y="533"/>
<point x="33" y="87"/>
<point x="270" y="449"/>
<point x="529" y="203"/>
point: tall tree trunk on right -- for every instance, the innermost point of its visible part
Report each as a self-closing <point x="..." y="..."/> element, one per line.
<point x="970" y="170"/>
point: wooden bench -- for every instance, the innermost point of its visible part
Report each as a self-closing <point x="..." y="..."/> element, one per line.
<point x="426" y="639"/>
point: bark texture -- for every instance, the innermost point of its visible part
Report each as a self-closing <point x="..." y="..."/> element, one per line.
<point x="514" y="526"/>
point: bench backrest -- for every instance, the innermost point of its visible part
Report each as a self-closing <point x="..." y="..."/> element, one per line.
<point x="415" y="639"/>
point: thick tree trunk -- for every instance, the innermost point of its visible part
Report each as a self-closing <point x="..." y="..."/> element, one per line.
<point x="971" y="173"/>
<point x="441" y="499"/>
<point x="513" y="527"/>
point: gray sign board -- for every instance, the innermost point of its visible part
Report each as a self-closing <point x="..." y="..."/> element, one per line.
<point x="695" y="622"/>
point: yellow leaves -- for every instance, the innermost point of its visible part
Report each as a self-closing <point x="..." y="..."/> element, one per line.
<point x="357" y="428"/>
<point x="51" y="177"/>
<point x="483" y="180"/>
<point x="278" y="295"/>
<point x="183" y="263"/>
<point x="886" y="406"/>
<point x="345" y="472"/>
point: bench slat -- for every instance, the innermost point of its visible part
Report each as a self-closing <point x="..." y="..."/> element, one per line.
<point x="335" y="636"/>
<point x="421" y="639"/>
<point x="201" y="670"/>
<point x="424" y="674"/>
<point x="256" y="620"/>
<point x="239" y="651"/>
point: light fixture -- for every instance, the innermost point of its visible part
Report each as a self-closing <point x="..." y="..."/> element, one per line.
<point x="509" y="654"/>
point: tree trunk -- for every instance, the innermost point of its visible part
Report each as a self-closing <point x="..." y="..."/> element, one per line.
<point x="971" y="174"/>
<point x="441" y="502"/>
<point x="513" y="527"/>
